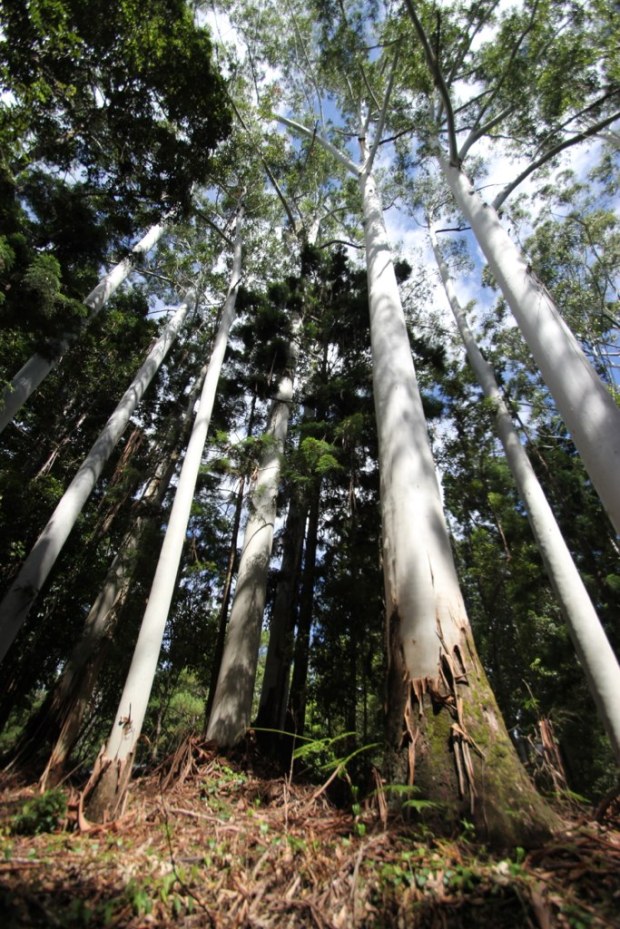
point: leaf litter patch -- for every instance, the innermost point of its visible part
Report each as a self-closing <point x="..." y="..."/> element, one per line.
<point x="208" y="842"/>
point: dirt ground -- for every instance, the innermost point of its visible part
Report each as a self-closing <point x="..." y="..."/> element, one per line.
<point x="211" y="843"/>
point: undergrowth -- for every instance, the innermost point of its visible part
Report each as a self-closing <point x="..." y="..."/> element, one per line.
<point x="224" y="848"/>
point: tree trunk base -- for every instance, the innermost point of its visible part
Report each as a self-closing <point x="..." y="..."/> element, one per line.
<point x="451" y="749"/>
<point x="105" y="795"/>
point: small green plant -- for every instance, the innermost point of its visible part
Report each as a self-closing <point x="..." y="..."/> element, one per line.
<point x="461" y="878"/>
<point x="356" y="810"/>
<point x="468" y="831"/>
<point x="139" y="898"/>
<point x="225" y="778"/>
<point x="41" y="814"/>
<point x="296" y="844"/>
<point x="320" y="756"/>
<point x="411" y="802"/>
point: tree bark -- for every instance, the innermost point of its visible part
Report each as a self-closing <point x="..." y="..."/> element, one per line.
<point x="106" y="790"/>
<point x="301" y="656"/>
<point x="231" y="568"/>
<point x="36" y="369"/>
<point x="222" y="622"/>
<point x="25" y="589"/>
<point x="584" y="403"/>
<point x="591" y="644"/>
<point x="59" y="720"/>
<point x="444" y="731"/>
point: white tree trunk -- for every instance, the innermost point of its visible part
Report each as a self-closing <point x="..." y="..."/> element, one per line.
<point x="589" y="411"/>
<point x="36" y="369"/>
<point x="591" y="644"/>
<point x="73" y="691"/>
<point x="232" y="704"/>
<point x="421" y="586"/>
<point x="134" y="700"/>
<point x="37" y="566"/>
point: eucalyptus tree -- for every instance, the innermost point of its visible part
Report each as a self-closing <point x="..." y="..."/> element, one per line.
<point x="431" y="655"/>
<point x="57" y="723"/>
<point x="36" y="568"/>
<point x="230" y="570"/>
<point x="575" y="248"/>
<point x="520" y="632"/>
<point x="551" y="44"/>
<point x="37" y="463"/>
<point x="595" y="653"/>
<point x="301" y="188"/>
<point x="106" y="790"/>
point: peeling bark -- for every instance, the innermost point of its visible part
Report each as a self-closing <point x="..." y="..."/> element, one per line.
<point x="591" y="643"/>
<point x="449" y="743"/>
<point x="105" y="796"/>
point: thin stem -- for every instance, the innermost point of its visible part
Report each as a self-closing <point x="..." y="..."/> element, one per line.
<point x="439" y="81"/>
<point x="309" y="134"/>
<point x="382" y="116"/>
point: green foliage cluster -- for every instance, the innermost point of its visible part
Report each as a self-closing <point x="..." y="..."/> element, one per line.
<point x="128" y="93"/>
<point x="109" y="116"/>
<point x="41" y="814"/>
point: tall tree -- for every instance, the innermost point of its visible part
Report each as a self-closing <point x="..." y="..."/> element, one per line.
<point x="57" y="722"/>
<point x="431" y="654"/>
<point x="585" y="404"/>
<point x="595" y="653"/>
<point x="106" y="790"/>
<point x="113" y="117"/>
<point x="36" y="369"/>
<point x="232" y="702"/>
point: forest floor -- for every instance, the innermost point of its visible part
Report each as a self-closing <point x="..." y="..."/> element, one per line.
<point x="213" y="844"/>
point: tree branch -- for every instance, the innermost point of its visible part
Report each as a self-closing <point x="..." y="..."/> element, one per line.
<point x="213" y="226"/>
<point x="340" y="242"/>
<point x="452" y="228"/>
<point x="592" y="130"/>
<point x="469" y="38"/>
<point x="513" y="54"/>
<point x="268" y="171"/>
<point x="476" y="134"/>
<point x="610" y="93"/>
<point x="438" y="79"/>
<point x="309" y="134"/>
<point x="381" y="123"/>
<point x="371" y="93"/>
<point x="398" y="135"/>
